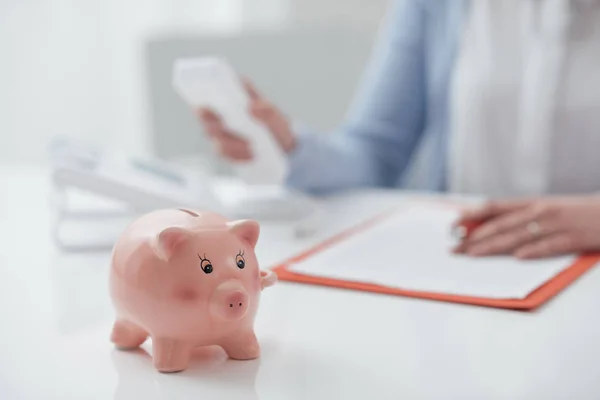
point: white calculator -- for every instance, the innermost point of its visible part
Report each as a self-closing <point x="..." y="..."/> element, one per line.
<point x="211" y="82"/>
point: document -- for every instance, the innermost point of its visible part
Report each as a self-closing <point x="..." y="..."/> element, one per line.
<point x="411" y="250"/>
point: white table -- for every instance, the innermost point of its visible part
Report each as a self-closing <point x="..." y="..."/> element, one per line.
<point x="317" y="343"/>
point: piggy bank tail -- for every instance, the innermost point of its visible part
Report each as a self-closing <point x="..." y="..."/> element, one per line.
<point x="267" y="278"/>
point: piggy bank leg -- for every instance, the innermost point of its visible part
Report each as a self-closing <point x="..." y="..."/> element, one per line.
<point x="170" y="355"/>
<point x="242" y="347"/>
<point x="126" y="335"/>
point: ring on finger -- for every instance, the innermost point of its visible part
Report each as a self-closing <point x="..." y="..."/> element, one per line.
<point x="534" y="229"/>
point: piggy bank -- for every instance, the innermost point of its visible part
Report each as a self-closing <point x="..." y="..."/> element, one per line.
<point x="187" y="279"/>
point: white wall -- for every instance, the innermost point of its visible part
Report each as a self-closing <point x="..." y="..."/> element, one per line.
<point x="76" y="67"/>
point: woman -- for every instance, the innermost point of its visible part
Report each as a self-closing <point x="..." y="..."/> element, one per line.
<point x="499" y="98"/>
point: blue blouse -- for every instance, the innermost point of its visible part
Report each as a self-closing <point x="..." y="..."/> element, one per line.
<point x="402" y="102"/>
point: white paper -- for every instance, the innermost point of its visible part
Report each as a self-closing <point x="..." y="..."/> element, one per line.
<point x="411" y="250"/>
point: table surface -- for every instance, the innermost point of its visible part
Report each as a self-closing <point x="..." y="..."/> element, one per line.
<point x="317" y="343"/>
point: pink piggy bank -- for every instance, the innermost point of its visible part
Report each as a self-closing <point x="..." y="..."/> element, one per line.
<point x="187" y="279"/>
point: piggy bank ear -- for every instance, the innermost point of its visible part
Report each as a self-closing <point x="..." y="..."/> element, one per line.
<point x="246" y="230"/>
<point x="167" y="241"/>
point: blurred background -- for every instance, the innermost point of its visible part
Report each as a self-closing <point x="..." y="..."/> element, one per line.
<point x="99" y="71"/>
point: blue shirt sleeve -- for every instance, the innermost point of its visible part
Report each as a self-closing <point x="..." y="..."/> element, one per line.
<point x="375" y="144"/>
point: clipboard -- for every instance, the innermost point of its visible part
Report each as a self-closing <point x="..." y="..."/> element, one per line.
<point x="534" y="300"/>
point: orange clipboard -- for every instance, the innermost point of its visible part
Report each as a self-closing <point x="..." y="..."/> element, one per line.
<point x="535" y="299"/>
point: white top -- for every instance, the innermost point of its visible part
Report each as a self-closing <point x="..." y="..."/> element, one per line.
<point x="526" y="98"/>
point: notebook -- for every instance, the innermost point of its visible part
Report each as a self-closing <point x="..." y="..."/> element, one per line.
<point x="407" y="252"/>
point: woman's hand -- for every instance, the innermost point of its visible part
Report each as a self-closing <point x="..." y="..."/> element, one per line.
<point x="233" y="146"/>
<point x="534" y="228"/>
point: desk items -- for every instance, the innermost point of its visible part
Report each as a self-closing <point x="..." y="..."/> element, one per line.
<point x="406" y="252"/>
<point x="187" y="279"/>
<point x="142" y="184"/>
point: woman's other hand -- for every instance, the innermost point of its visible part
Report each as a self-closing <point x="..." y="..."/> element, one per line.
<point x="234" y="147"/>
<point x="534" y="228"/>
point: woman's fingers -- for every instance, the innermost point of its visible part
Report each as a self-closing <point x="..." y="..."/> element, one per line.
<point x="206" y="115"/>
<point x="492" y="209"/>
<point x="510" y="231"/>
<point x="504" y="223"/>
<point x="543" y="228"/>
<point x="275" y="121"/>
<point x="212" y="123"/>
<point x="543" y="215"/>
<point x="250" y="89"/>
<point x="227" y="143"/>
<point x="552" y="245"/>
<point x="262" y="110"/>
<point x="503" y="243"/>
<point x="233" y="148"/>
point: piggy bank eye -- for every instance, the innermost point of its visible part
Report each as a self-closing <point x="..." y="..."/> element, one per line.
<point x="205" y="265"/>
<point x="239" y="260"/>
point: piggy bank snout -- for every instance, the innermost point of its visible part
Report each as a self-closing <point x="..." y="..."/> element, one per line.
<point x="230" y="301"/>
<point x="237" y="299"/>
